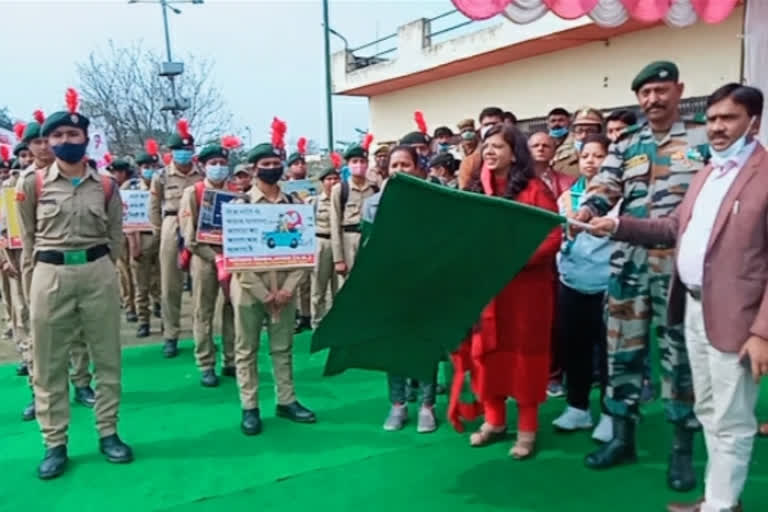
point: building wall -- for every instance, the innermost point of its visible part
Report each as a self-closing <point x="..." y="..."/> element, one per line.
<point x="597" y="74"/>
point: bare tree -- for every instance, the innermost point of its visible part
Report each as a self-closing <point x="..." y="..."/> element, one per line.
<point x="120" y="88"/>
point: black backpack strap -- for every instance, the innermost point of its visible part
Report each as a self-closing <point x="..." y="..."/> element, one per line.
<point x="344" y="195"/>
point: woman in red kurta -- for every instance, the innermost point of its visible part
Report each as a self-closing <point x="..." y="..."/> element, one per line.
<point x="507" y="353"/>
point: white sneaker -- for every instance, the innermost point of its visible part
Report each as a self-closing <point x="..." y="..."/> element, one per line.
<point x="573" y="419"/>
<point x="398" y="417"/>
<point x="604" y="430"/>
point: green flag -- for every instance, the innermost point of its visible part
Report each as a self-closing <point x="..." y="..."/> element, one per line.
<point x="432" y="260"/>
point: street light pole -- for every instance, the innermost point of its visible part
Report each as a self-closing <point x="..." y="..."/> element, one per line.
<point x="328" y="81"/>
<point x="164" y="6"/>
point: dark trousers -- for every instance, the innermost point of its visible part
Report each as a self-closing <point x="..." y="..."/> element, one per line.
<point x="580" y="328"/>
<point x="397" y="391"/>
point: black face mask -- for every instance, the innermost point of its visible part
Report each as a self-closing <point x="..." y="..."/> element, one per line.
<point x="269" y="176"/>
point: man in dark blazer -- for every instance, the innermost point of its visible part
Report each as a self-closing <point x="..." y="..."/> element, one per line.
<point x="720" y="286"/>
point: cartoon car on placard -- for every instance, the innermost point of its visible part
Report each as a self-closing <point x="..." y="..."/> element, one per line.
<point x="290" y="239"/>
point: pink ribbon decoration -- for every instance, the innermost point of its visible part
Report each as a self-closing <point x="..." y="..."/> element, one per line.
<point x="648" y="11"/>
<point x="480" y="9"/>
<point x="571" y="9"/>
<point x="713" y="11"/>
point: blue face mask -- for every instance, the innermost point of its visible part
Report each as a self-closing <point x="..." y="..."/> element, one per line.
<point x="70" y="152"/>
<point x="147" y="174"/>
<point x="720" y="157"/>
<point x="578" y="145"/>
<point x="443" y="148"/>
<point x="217" y="173"/>
<point x="182" y="156"/>
<point x="558" y="133"/>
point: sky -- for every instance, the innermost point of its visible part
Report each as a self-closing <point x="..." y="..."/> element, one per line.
<point x="269" y="55"/>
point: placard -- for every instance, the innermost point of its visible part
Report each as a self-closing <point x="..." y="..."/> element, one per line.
<point x="303" y="189"/>
<point x="265" y="237"/>
<point x="11" y="220"/>
<point x="135" y="210"/>
<point x="209" y="220"/>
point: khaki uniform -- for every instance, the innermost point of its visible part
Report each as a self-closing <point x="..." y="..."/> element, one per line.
<point x="145" y="270"/>
<point x="166" y="189"/>
<point x="206" y="289"/>
<point x="127" y="292"/>
<point x="566" y="159"/>
<point x="345" y="222"/>
<point x="74" y="299"/>
<point x="5" y="289"/>
<point x="324" y="273"/>
<point x="249" y="289"/>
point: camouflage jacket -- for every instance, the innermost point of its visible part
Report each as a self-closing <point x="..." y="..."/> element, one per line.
<point x="650" y="176"/>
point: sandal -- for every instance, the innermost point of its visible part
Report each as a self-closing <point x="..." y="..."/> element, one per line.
<point x="524" y="446"/>
<point x="488" y="434"/>
<point x="762" y="431"/>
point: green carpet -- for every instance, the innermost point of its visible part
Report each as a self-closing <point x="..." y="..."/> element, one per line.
<point x="190" y="454"/>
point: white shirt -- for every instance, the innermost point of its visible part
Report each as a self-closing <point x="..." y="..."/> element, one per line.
<point x="693" y="245"/>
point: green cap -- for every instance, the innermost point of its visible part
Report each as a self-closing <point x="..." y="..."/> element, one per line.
<point x="327" y="172"/>
<point x="355" y="151"/>
<point x="145" y="158"/>
<point x="414" y="138"/>
<point x="213" y="151"/>
<point x="659" y="71"/>
<point x="21" y="146"/>
<point x="264" y="150"/>
<point x="295" y="157"/>
<point x="64" y="118"/>
<point x="121" y="164"/>
<point x="176" y="142"/>
<point x="31" y="132"/>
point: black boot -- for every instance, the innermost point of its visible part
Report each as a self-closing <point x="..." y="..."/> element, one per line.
<point x="209" y="379"/>
<point x="303" y="323"/>
<point x="29" y="411"/>
<point x="22" y="370"/>
<point x="115" y="450"/>
<point x="142" y="331"/>
<point x="85" y="396"/>
<point x="131" y="317"/>
<point x="296" y="412"/>
<point x="680" y="474"/>
<point x="251" y="424"/>
<point x="54" y="463"/>
<point x="170" y="348"/>
<point x="620" y="450"/>
<point x="229" y="371"/>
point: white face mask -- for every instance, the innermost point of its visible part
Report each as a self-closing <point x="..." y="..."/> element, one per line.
<point x="719" y="158"/>
<point x="217" y="173"/>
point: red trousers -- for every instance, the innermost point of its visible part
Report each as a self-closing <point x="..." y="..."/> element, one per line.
<point x="495" y="410"/>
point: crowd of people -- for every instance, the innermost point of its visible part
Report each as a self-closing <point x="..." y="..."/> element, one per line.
<point x="661" y="212"/>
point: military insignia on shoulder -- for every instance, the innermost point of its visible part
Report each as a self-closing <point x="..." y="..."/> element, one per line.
<point x="638" y="160"/>
<point x="694" y="154"/>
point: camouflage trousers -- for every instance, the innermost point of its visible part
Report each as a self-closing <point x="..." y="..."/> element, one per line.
<point x="637" y="299"/>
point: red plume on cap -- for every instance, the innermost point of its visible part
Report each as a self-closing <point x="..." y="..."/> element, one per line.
<point x="418" y="116"/>
<point x="107" y="158"/>
<point x="182" y="125"/>
<point x="150" y="146"/>
<point x="39" y="116"/>
<point x="367" y="141"/>
<point x="336" y="160"/>
<point x="230" y="142"/>
<point x="278" y="133"/>
<point x="72" y="100"/>
<point x="301" y="146"/>
<point x="167" y="158"/>
<point x="5" y="153"/>
<point x="18" y="129"/>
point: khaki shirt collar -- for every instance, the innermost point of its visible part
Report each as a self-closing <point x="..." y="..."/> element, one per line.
<point x="174" y="171"/>
<point x="54" y="173"/>
<point x="256" y="195"/>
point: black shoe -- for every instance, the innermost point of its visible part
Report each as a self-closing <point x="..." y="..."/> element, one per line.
<point x="29" y="411"/>
<point x="680" y="474"/>
<point x="296" y="412"/>
<point x="54" y="463"/>
<point x="170" y="348"/>
<point x="251" y="424"/>
<point x="22" y="370"/>
<point x="620" y="450"/>
<point x="209" y="379"/>
<point x="228" y="371"/>
<point x="304" y="323"/>
<point x="85" y="396"/>
<point x="131" y="317"/>
<point x="157" y="310"/>
<point x="115" y="450"/>
<point x="142" y="331"/>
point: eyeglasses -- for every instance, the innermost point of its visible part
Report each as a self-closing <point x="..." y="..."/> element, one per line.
<point x="586" y="129"/>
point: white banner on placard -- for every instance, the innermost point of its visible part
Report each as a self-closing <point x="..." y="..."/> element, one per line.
<point x="268" y="236"/>
<point x="97" y="146"/>
<point x="135" y="210"/>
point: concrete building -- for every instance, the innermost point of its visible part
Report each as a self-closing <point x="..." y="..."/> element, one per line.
<point x="528" y="69"/>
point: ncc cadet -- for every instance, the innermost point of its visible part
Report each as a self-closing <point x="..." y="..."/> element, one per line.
<point x="206" y="259"/>
<point x="242" y="178"/>
<point x="255" y="302"/>
<point x="144" y="247"/>
<point x="5" y="278"/>
<point x="650" y="167"/>
<point x="80" y="376"/>
<point x="347" y="205"/>
<point x="166" y="189"/>
<point x="379" y="172"/>
<point x="71" y="220"/>
<point x="324" y="275"/>
<point x="122" y="172"/>
<point x="297" y="170"/>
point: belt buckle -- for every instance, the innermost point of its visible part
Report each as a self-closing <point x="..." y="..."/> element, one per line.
<point x="75" y="257"/>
